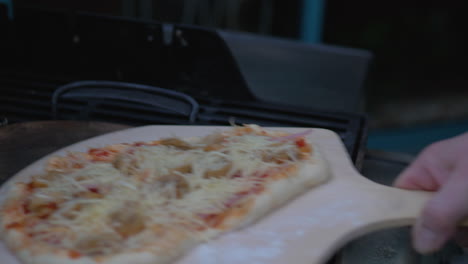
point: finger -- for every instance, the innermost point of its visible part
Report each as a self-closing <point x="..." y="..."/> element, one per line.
<point x="417" y="177"/>
<point x="443" y="212"/>
<point x="424" y="173"/>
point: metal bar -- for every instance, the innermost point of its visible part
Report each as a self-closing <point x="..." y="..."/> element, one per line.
<point x="9" y="5"/>
<point x="266" y="17"/>
<point x="146" y="9"/>
<point x="189" y="12"/>
<point x="59" y="92"/>
<point x="312" y="20"/>
<point x="205" y="13"/>
<point x="233" y="10"/>
<point x="129" y="8"/>
<point x="219" y="13"/>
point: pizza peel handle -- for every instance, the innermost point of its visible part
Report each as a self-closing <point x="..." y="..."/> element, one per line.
<point x="371" y="206"/>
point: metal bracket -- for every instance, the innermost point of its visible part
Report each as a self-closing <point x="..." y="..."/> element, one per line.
<point x="9" y="6"/>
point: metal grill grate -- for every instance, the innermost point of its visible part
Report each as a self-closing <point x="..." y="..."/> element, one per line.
<point x="26" y="98"/>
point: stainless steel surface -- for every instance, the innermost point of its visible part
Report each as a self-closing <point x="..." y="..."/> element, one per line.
<point x="23" y="143"/>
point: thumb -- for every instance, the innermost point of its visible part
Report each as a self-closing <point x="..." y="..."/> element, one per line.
<point x="441" y="215"/>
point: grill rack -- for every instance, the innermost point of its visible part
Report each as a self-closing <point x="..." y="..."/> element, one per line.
<point x="25" y="98"/>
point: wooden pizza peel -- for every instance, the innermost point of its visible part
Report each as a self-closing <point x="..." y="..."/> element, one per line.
<point x="309" y="229"/>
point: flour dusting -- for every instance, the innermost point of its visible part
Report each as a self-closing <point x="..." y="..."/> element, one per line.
<point x="272" y="245"/>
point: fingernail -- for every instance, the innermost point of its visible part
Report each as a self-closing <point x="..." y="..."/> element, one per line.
<point x="426" y="240"/>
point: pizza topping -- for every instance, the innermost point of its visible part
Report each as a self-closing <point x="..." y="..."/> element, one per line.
<point x="15" y="225"/>
<point x="93" y="189"/>
<point x="280" y="157"/>
<point x="175" y="185"/>
<point x="99" y="153"/>
<point x="73" y="254"/>
<point x="213" y="220"/>
<point x="220" y="169"/>
<point x="292" y="136"/>
<point x="300" y="142"/>
<point x="177" y="143"/>
<point x="121" y="196"/>
<point x="39" y="208"/>
<point x="128" y="221"/>
<point x="187" y="168"/>
<point x="67" y="164"/>
<point x="89" y="195"/>
<point x="96" y="245"/>
<point x="34" y="184"/>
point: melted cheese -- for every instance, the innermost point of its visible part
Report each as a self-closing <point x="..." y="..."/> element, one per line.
<point x="162" y="185"/>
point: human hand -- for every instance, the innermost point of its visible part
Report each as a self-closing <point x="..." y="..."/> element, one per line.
<point x="441" y="167"/>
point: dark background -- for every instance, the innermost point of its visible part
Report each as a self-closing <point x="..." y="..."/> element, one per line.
<point x="417" y="86"/>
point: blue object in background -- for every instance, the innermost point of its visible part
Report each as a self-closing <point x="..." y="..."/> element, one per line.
<point x="312" y="20"/>
<point x="9" y="5"/>
<point x="413" y="139"/>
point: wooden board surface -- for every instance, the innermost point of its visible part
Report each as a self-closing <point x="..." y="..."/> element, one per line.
<point x="308" y="229"/>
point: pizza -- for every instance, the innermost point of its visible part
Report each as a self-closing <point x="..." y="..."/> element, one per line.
<point x="152" y="202"/>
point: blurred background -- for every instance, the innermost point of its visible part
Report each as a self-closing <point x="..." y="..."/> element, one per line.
<point x="416" y="86"/>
